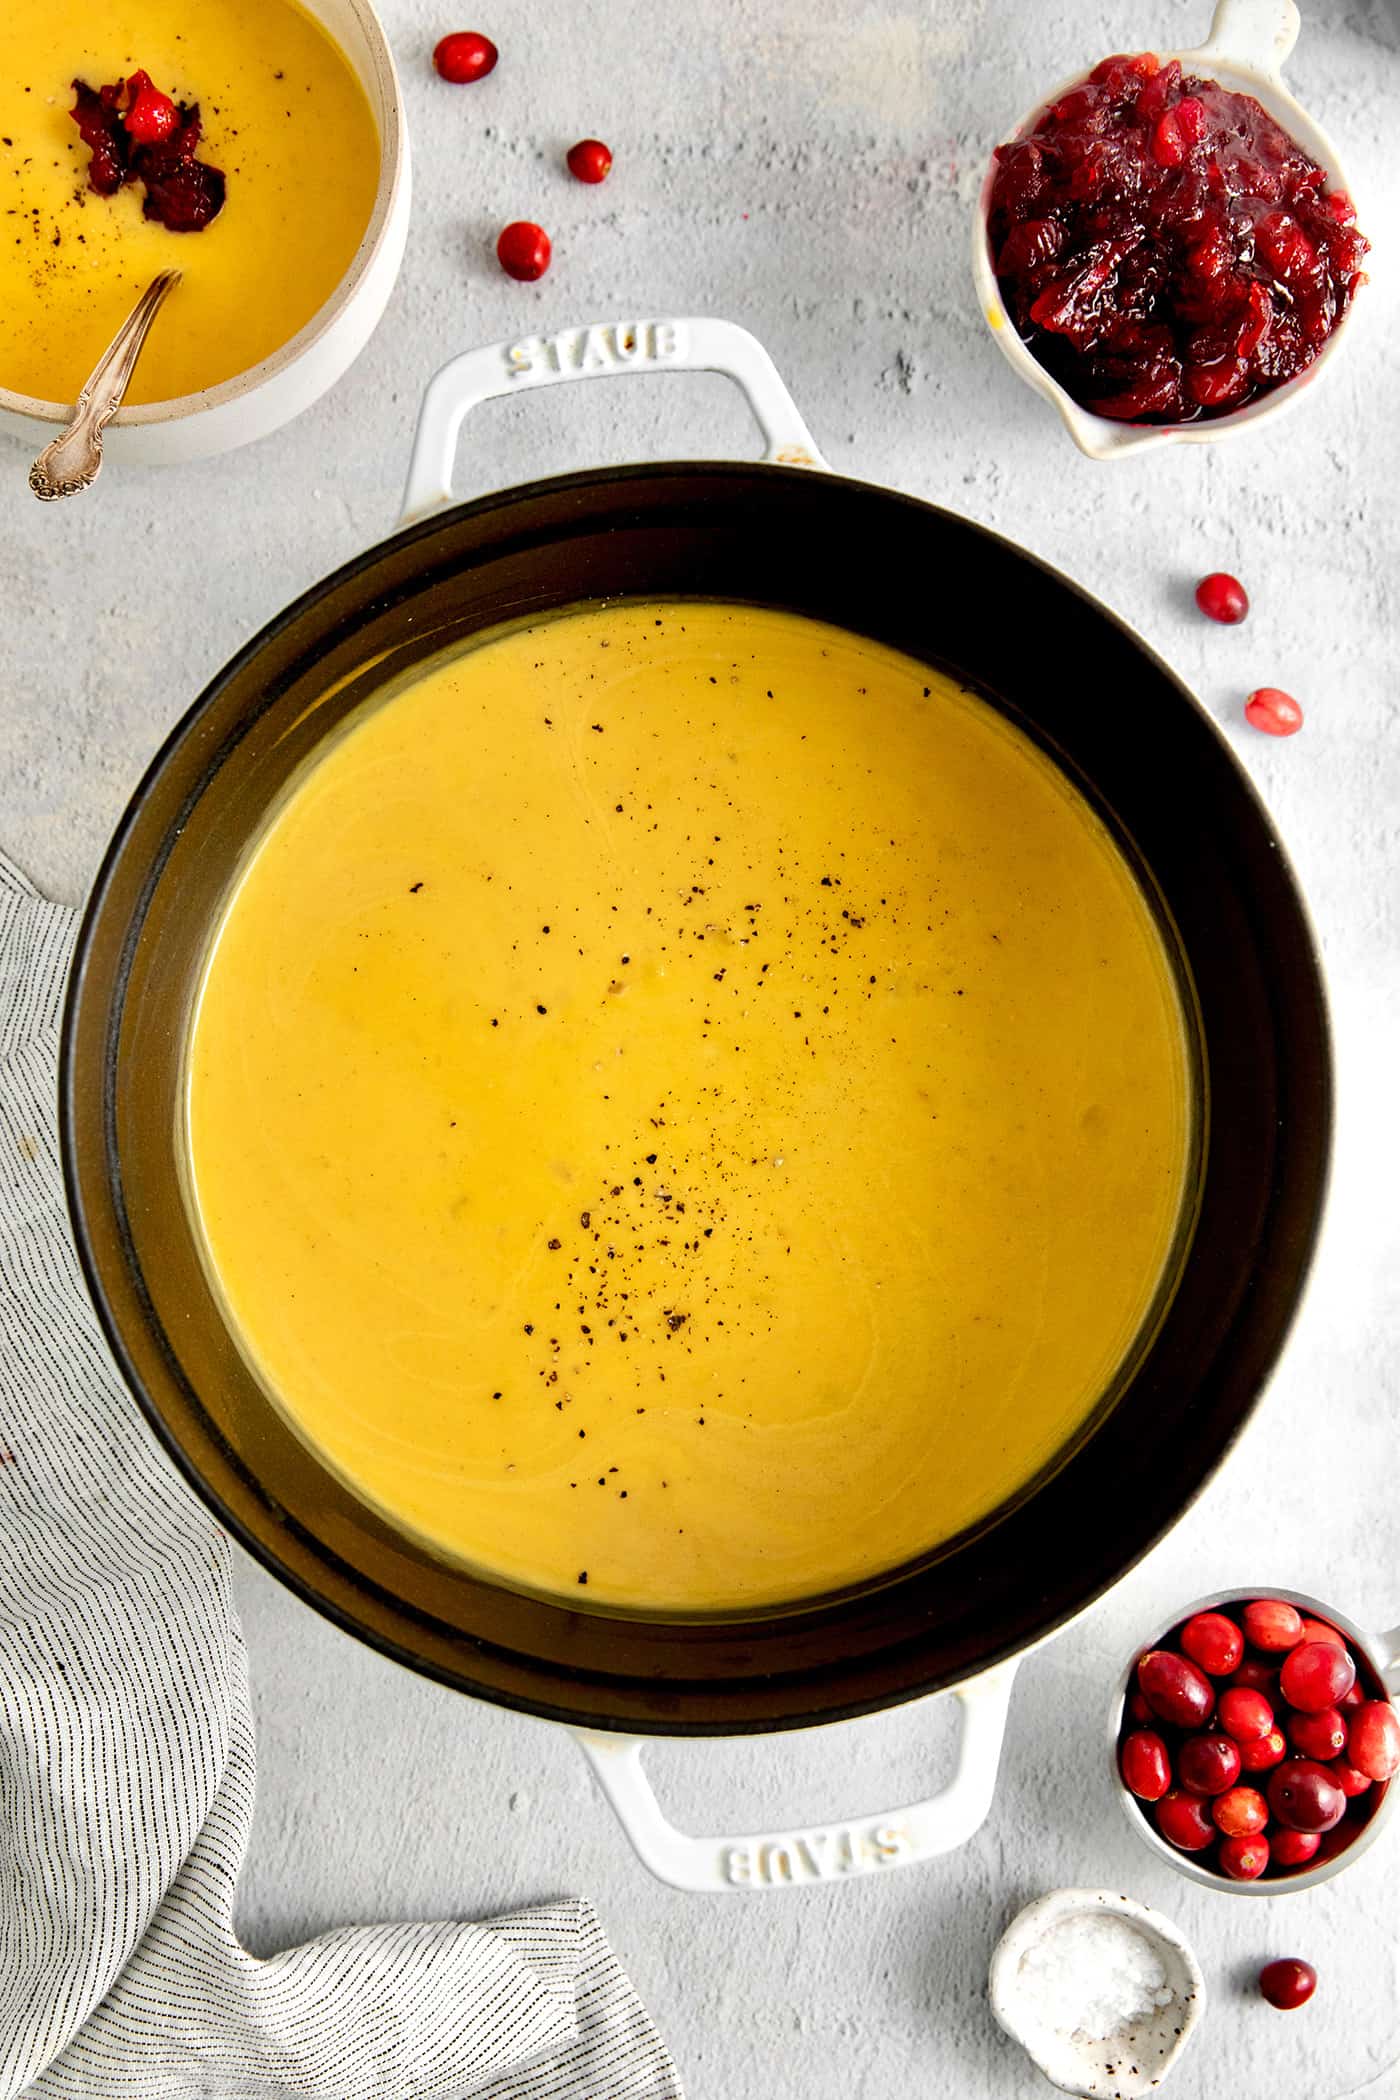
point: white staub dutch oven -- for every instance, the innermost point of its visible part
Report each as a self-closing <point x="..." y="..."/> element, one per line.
<point x="1248" y="45"/>
<point x="269" y="394"/>
<point x="786" y="533"/>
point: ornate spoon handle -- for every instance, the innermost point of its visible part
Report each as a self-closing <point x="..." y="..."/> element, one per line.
<point x="72" y="461"/>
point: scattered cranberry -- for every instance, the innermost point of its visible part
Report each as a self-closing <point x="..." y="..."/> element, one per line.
<point x="1213" y="1641"/>
<point x="1241" y="1812"/>
<point x="1294" y="1848"/>
<point x="1316" y="1675"/>
<point x="1374" y="1745"/>
<point x="465" y="55"/>
<point x="1174" y="1688"/>
<point x="1288" y="1984"/>
<point x="1305" y="1795"/>
<point x="1352" y="1783"/>
<point x="1207" y="1764"/>
<point x="1183" y="1821"/>
<point x="1244" y="1858"/>
<point x="1245" y="1715"/>
<point x="523" y="250"/>
<point x="1165" y="248"/>
<point x="1266" y="1751"/>
<point x="589" y="161"/>
<point x="152" y="117"/>
<point x="1145" y="1765"/>
<point x="1321" y="1735"/>
<point x="1269" y="1624"/>
<point x="1275" y="712"/>
<point x="1224" y="598"/>
<point x="1319" y="1630"/>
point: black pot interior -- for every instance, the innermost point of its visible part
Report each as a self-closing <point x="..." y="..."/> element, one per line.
<point x="944" y="591"/>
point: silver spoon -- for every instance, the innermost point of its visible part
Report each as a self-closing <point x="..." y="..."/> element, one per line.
<point x="74" y="458"/>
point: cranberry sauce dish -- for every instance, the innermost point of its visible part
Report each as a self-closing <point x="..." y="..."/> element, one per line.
<point x="1165" y="249"/>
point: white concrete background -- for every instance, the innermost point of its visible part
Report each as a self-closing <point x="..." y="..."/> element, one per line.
<point x="809" y="170"/>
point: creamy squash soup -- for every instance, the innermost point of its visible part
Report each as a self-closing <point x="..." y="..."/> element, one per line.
<point x="687" y="1106"/>
<point x="281" y="119"/>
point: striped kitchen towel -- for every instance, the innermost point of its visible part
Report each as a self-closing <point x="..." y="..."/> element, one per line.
<point x="126" y="1748"/>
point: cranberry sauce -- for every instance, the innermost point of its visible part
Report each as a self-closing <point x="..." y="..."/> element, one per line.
<point x="1165" y="249"/>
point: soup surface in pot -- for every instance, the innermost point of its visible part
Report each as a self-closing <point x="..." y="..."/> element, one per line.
<point x="687" y="1104"/>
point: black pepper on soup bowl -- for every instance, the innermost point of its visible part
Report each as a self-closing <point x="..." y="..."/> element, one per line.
<point x="1289" y="1784"/>
<point x="783" y="534"/>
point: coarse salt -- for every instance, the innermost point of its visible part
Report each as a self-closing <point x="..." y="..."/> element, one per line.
<point x="1093" y="1976"/>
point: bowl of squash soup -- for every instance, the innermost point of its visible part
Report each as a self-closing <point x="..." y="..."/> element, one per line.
<point x="696" y="1097"/>
<point x="255" y="146"/>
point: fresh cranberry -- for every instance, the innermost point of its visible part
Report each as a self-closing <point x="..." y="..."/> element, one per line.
<point x="1183" y="1821"/>
<point x="1276" y="713"/>
<point x="1374" y="1739"/>
<point x="523" y="250"/>
<point x="1257" y="1676"/>
<point x="1174" y="1688"/>
<point x="1187" y="256"/>
<point x="1321" y="1735"/>
<point x="1139" y="1712"/>
<point x="1240" y="1812"/>
<point x="1294" y="1848"/>
<point x="1270" y="1623"/>
<point x="589" y="161"/>
<point x="1263" y="1754"/>
<point x="1225" y="599"/>
<point x="1244" y="1858"/>
<point x="1213" y="1641"/>
<point x="1355" y="1697"/>
<point x="1319" y="1630"/>
<point x="1315" y="1675"/>
<point x="465" y="55"/>
<point x="1288" y="1984"/>
<point x="1306" y="1796"/>
<point x="1145" y="1765"/>
<point x="1352" y="1783"/>
<point x="1245" y="1715"/>
<point x="151" y="117"/>
<point x="1207" y="1764"/>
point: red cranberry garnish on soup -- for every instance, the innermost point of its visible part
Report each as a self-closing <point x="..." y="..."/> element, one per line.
<point x="1166" y="250"/>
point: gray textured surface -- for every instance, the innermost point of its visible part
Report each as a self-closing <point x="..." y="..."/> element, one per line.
<point x="809" y="172"/>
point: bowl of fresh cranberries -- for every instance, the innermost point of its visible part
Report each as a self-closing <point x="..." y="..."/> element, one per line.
<point x="1166" y="249"/>
<point x="1254" y="1741"/>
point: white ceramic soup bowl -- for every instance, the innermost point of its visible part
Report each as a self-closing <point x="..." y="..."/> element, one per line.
<point x="1245" y="51"/>
<point x="268" y="394"/>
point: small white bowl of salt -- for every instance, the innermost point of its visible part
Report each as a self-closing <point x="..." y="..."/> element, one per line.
<point x="1101" y="1992"/>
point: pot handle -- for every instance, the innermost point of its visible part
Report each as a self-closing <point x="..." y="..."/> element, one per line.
<point x="599" y="351"/>
<point x="1255" y="33"/>
<point x="772" y="1859"/>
